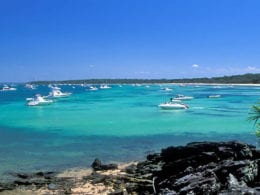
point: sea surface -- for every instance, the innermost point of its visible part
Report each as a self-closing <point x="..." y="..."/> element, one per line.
<point x="119" y="124"/>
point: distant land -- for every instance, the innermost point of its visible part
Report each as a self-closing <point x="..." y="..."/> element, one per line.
<point x="235" y="79"/>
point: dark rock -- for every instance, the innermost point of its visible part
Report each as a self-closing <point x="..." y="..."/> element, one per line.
<point x="166" y="191"/>
<point x="119" y="192"/>
<point x="109" y="167"/>
<point x="131" y="169"/>
<point x="23" y="182"/>
<point x="154" y="157"/>
<point x="131" y="186"/>
<point x="206" y="168"/>
<point x="245" y="170"/>
<point x="98" y="166"/>
<point x="68" y="191"/>
<point x="7" y="186"/>
<point x="40" y="174"/>
<point x="23" y="175"/>
<point x="99" y="179"/>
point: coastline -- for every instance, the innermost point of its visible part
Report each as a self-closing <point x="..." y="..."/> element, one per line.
<point x="163" y="83"/>
<point x="220" y="84"/>
<point x="78" y="182"/>
<point x="198" y="168"/>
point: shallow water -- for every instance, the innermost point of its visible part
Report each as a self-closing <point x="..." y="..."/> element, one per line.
<point x="117" y="124"/>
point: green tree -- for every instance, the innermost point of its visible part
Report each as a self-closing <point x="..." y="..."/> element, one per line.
<point x="255" y="116"/>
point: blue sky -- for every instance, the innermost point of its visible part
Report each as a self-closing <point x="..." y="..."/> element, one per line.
<point x="83" y="39"/>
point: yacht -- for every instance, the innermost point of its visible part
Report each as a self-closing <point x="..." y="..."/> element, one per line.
<point x="30" y="86"/>
<point x="105" y="87"/>
<point x="93" y="88"/>
<point x="7" y="88"/>
<point x="54" y="87"/>
<point x="173" y="106"/>
<point x="38" y="100"/>
<point x="182" y="97"/>
<point x="57" y="93"/>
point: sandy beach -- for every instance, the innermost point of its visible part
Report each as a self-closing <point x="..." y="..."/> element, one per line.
<point x="79" y="184"/>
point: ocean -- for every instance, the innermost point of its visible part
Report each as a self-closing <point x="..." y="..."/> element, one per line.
<point x="120" y="124"/>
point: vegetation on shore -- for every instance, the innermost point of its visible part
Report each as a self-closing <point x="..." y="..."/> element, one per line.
<point x="255" y="116"/>
<point x="236" y="79"/>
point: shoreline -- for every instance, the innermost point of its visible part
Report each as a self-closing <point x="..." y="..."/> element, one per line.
<point x="173" y="83"/>
<point x="198" y="168"/>
<point x="150" y="83"/>
<point x="221" y="84"/>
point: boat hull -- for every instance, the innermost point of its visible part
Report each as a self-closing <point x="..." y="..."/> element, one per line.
<point x="173" y="106"/>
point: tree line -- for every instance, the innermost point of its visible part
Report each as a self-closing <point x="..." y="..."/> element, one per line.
<point x="236" y="79"/>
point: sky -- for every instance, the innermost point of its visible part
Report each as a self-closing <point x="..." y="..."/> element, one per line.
<point x="85" y="39"/>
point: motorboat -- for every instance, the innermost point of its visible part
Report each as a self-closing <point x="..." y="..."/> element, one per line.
<point x="54" y="87"/>
<point x="214" y="96"/>
<point x="93" y="88"/>
<point x="38" y="100"/>
<point x="105" y="87"/>
<point x="166" y="89"/>
<point x="30" y="86"/>
<point x="57" y="93"/>
<point x="182" y="97"/>
<point x="173" y="106"/>
<point x="7" y="88"/>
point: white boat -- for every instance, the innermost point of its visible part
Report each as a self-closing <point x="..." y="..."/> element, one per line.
<point x="182" y="97"/>
<point x="214" y="96"/>
<point x="30" y="86"/>
<point x="104" y="87"/>
<point x="57" y="93"/>
<point x="93" y="88"/>
<point x="38" y="100"/>
<point x="166" y="89"/>
<point x="53" y="87"/>
<point x="7" y="88"/>
<point x="173" y="106"/>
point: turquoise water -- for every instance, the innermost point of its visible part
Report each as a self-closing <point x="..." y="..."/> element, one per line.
<point x="119" y="124"/>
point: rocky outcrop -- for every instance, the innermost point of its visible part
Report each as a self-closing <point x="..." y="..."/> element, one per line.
<point x="28" y="181"/>
<point x="197" y="168"/>
<point x="98" y="166"/>
<point x="204" y="168"/>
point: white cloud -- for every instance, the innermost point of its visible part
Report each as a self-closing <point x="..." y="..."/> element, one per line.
<point x="251" y="68"/>
<point x="91" y="66"/>
<point x="195" y="65"/>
